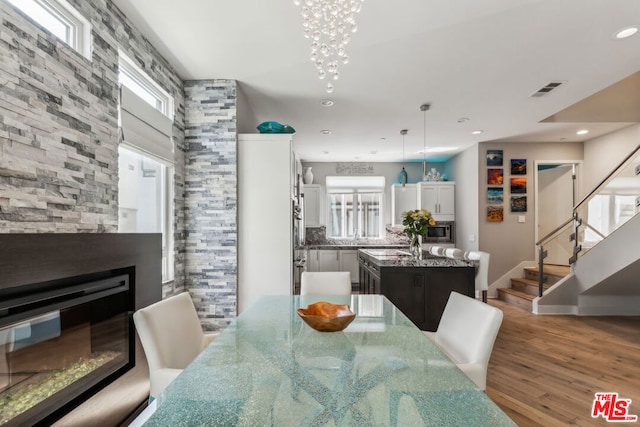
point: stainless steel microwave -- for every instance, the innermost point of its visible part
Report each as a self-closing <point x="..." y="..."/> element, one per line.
<point x="442" y="232"/>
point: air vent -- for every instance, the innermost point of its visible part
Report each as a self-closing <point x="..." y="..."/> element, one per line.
<point x="546" y="89"/>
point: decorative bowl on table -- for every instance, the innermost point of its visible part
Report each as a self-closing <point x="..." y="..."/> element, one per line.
<point x="326" y="317"/>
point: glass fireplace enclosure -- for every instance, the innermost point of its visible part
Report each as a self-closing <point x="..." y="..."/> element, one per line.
<point x="60" y="342"/>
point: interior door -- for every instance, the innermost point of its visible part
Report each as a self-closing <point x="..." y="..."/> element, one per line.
<point x="555" y="200"/>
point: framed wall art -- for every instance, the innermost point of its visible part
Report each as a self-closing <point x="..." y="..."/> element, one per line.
<point x="518" y="166"/>
<point x="495" y="214"/>
<point x="495" y="195"/>
<point x="495" y="176"/>
<point x="518" y="203"/>
<point x="494" y="157"/>
<point x="518" y="185"/>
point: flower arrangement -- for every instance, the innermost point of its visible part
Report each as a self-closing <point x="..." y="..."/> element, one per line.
<point x="417" y="222"/>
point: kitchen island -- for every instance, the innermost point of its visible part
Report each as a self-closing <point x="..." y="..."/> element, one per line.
<point x="419" y="288"/>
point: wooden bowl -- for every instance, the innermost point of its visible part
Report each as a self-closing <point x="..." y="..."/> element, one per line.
<point x="326" y="317"/>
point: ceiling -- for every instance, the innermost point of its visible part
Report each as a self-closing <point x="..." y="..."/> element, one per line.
<point x="479" y="60"/>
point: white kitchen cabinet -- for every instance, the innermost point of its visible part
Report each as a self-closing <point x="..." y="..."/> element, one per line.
<point x="402" y="199"/>
<point x="439" y="199"/>
<point x="334" y="260"/>
<point x="329" y="260"/>
<point x="348" y="260"/>
<point x="265" y="253"/>
<point x="311" y="205"/>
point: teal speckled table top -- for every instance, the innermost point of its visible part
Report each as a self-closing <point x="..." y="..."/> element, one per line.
<point x="269" y="368"/>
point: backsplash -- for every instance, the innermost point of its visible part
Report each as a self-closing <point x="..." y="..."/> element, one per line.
<point x="316" y="236"/>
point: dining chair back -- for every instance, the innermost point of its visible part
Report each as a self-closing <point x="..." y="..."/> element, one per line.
<point x="325" y="283"/>
<point x="482" y="272"/>
<point x="171" y="336"/>
<point x="466" y="334"/>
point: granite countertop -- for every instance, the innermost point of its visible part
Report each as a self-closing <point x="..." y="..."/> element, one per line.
<point x="402" y="258"/>
<point x="338" y="245"/>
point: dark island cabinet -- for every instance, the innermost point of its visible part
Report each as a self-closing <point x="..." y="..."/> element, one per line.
<point x="421" y="293"/>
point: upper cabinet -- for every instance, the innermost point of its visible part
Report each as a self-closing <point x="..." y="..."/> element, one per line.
<point x="438" y="198"/>
<point x="311" y="205"/>
<point x="402" y="199"/>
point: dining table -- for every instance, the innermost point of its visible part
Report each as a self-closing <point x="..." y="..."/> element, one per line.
<point x="269" y="368"/>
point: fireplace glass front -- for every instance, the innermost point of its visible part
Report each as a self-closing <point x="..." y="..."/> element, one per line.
<point x="60" y="342"/>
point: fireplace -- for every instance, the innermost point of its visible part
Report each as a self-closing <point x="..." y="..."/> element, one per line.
<point x="61" y="341"/>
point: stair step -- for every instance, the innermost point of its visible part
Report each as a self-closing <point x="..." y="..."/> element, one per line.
<point x="527" y="286"/>
<point x="552" y="273"/>
<point x="517" y="298"/>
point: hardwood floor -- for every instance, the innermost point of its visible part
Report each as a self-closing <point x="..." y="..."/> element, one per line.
<point x="545" y="370"/>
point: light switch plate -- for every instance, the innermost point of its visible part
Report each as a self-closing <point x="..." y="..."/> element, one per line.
<point x="521" y="218"/>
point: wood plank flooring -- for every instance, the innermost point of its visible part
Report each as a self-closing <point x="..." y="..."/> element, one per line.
<point x="545" y="370"/>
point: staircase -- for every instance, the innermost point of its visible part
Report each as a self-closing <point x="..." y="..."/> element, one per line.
<point x="523" y="290"/>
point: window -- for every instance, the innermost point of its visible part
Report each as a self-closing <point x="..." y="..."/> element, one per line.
<point x="355" y="206"/>
<point x="62" y="20"/>
<point x="146" y="158"/>
<point x="145" y="190"/>
<point x="138" y="82"/>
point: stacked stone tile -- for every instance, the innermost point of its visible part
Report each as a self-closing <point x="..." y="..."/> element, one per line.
<point x="211" y="199"/>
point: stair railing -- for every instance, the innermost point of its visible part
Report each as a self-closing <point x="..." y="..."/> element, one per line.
<point x="554" y="236"/>
<point x="613" y="202"/>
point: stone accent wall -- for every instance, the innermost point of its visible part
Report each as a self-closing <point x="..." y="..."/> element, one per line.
<point x="211" y="199"/>
<point x="59" y="124"/>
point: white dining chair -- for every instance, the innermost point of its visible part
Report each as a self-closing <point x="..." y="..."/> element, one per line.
<point x="466" y="334"/>
<point x="437" y="250"/>
<point x="171" y="336"/>
<point x="334" y="286"/>
<point x="454" y="253"/>
<point x="482" y="272"/>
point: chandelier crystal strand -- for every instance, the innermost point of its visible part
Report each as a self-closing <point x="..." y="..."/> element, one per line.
<point x="329" y="25"/>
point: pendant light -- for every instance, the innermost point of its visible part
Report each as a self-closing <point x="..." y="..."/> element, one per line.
<point x="403" y="174"/>
<point x="424" y="108"/>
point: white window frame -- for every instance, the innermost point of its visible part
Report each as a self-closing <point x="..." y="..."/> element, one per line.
<point x="142" y="85"/>
<point x="357" y="187"/>
<point x="78" y="34"/>
<point x="167" y="202"/>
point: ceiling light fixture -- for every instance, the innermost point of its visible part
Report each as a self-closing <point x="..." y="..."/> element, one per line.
<point x="329" y="24"/>
<point x="424" y="108"/>
<point x="403" y="174"/>
<point x="476" y="132"/>
<point x="326" y="103"/>
<point x="582" y="132"/>
<point x="325" y="131"/>
<point x="626" y="32"/>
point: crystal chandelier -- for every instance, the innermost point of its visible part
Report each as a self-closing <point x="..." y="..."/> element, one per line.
<point x="329" y="24"/>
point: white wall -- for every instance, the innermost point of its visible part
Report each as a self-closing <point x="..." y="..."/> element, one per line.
<point x="603" y="154"/>
<point x="465" y="167"/>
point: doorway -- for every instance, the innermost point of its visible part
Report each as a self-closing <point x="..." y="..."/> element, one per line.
<point x="556" y="184"/>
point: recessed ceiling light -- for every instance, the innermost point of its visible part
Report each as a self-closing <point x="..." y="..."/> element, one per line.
<point x="383" y="139"/>
<point x="582" y="132"/>
<point x="463" y="119"/>
<point x="325" y="131"/>
<point x="476" y="132"/>
<point x="326" y="103"/>
<point x="325" y="152"/>
<point x="626" y="32"/>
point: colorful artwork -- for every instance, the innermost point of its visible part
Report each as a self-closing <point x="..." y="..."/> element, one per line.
<point x="518" y="185"/>
<point x="495" y="214"/>
<point x="495" y="176"/>
<point x="494" y="157"/>
<point x="518" y="166"/>
<point x="495" y="195"/>
<point x="518" y="203"/>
